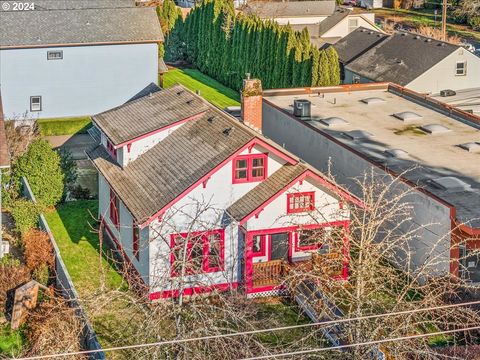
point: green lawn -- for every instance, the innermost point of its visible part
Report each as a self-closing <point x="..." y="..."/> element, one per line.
<point x="72" y="226"/>
<point x="12" y="342"/>
<point x="210" y="89"/>
<point x="64" y="126"/>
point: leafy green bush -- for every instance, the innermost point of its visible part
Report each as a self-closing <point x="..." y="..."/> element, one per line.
<point x="25" y="213"/>
<point x="474" y="22"/>
<point x="41" y="166"/>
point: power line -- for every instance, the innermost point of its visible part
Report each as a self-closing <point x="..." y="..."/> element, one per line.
<point x="251" y="332"/>
<point x="346" y="346"/>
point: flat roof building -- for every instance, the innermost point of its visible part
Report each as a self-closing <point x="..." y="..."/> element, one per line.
<point x="434" y="147"/>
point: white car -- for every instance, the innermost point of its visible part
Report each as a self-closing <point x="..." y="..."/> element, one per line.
<point x="468" y="46"/>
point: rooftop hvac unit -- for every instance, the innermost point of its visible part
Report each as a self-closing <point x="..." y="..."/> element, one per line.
<point x="302" y="108"/>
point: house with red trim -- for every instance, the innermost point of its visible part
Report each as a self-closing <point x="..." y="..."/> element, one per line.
<point x="198" y="201"/>
<point x="429" y="149"/>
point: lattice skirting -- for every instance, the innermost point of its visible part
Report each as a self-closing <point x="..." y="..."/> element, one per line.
<point x="275" y="292"/>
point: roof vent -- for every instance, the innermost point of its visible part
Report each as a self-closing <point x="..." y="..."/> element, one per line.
<point x="210" y="119"/>
<point x="471" y="147"/>
<point x="334" y="121"/>
<point x="373" y="100"/>
<point x="189" y="101"/>
<point x="435" y="129"/>
<point x="396" y="153"/>
<point x="417" y="37"/>
<point x="357" y="135"/>
<point x="227" y="131"/>
<point x="407" y="116"/>
<point x="404" y="34"/>
<point x="450" y="183"/>
<point x="180" y="92"/>
<point x="428" y="40"/>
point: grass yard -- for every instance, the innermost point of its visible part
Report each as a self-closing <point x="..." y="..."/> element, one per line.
<point x="96" y="280"/>
<point x="64" y="126"/>
<point x="210" y="89"/>
<point x="12" y="342"/>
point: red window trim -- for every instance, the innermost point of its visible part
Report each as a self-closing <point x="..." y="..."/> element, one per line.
<point x="111" y="149"/>
<point x="299" y="194"/>
<point x="263" y="246"/>
<point x="114" y="209"/>
<point x="249" y="158"/>
<point x="136" y="241"/>
<point x="206" y="268"/>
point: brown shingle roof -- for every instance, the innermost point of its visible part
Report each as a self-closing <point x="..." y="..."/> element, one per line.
<point x="149" y="113"/>
<point x="265" y="190"/>
<point x="164" y="172"/>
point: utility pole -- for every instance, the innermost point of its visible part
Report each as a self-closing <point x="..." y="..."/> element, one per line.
<point x="444" y="20"/>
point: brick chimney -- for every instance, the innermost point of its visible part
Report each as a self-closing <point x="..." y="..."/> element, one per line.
<point x="252" y="103"/>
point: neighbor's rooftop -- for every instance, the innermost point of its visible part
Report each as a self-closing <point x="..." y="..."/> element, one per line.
<point x="40" y="28"/>
<point x="402" y="132"/>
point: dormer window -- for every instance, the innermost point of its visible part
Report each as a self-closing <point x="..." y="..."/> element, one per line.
<point x="111" y="149"/>
<point x="249" y="168"/>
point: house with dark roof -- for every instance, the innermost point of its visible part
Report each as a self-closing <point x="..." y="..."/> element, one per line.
<point x="75" y="58"/>
<point x="419" y="63"/>
<point x="326" y="22"/>
<point x="403" y="142"/>
<point x="197" y="201"/>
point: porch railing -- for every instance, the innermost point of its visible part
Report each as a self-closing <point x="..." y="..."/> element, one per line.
<point x="329" y="263"/>
<point x="267" y="273"/>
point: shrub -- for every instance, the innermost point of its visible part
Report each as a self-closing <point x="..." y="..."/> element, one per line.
<point x="38" y="250"/>
<point x="80" y="193"/>
<point x="69" y="168"/>
<point x="53" y="328"/>
<point x="41" y="274"/>
<point x="25" y="213"/>
<point x="474" y="22"/>
<point x="12" y="274"/>
<point x="41" y="166"/>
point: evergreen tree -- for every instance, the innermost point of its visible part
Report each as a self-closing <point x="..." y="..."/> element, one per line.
<point x="334" y="65"/>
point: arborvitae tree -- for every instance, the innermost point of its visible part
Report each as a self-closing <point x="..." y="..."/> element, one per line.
<point x="226" y="46"/>
<point x="334" y="65"/>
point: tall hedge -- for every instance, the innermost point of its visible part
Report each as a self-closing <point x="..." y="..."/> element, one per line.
<point x="41" y="166"/>
<point x="226" y="45"/>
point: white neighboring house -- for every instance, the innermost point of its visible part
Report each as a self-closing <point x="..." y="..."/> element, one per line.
<point x="326" y="23"/>
<point x="60" y="61"/>
<point x="419" y="63"/>
<point x="189" y="183"/>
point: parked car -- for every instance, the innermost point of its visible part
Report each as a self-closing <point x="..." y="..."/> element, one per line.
<point x="469" y="47"/>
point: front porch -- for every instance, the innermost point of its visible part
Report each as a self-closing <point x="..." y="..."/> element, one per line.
<point x="271" y="255"/>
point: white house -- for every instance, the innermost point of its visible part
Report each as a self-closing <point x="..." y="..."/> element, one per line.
<point x="197" y="201"/>
<point x="419" y="63"/>
<point x="75" y="58"/>
<point x="326" y="23"/>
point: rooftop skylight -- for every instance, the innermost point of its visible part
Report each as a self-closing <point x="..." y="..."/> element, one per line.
<point x="396" y="153"/>
<point x="435" y="129"/>
<point x="450" y="183"/>
<point x="373" y="100"/>
<point x="357" y="135"/>
<point x="471" y="147"/>
<point x="407" y="116"/>
<point x="334" y="121"/>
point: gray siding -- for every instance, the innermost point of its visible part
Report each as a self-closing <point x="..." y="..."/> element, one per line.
<point x="430" y="217"/>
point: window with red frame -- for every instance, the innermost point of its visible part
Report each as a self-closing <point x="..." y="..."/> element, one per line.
<point x="111" y="149"/>
<point x="300" y="202"/>
<point x="114" y="205"/>
<point x="199" y="252"/>
<point x="310" y="239"/>
<point x="258" y="245"/>
<point x="249" y="168"/>
<point x="136" y="242"/>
